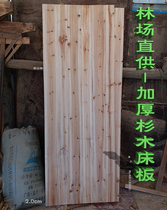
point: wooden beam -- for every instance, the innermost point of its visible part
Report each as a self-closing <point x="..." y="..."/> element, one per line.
<point x="146" y="190"/>
<point x="16" y="27"/>
<point x="151" y="74"/>
<point x="12" y="53"/>
<point x="10" y="46"/>
<point x="10" y="35"/>
<point x="127" y="72"/>
<point x="162" y="169"/>
<point x="133" y="103"/>
<point x="2" y="57"/>
<point x="5" y="207"/>
<point x="25" y="64"/>
<point x="8" y="4"/>
<point x="116" y="3"/>
<point x="24" y="40"/>
<point x="1" y="204"/>
<point x="6" y="7"/>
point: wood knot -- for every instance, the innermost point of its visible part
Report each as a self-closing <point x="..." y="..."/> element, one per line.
<point x="62" y="39"/>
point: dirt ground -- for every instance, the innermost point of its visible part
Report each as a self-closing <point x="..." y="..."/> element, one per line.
<point x="129" y="199"/>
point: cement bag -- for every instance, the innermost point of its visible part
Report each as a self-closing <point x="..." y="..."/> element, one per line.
<point x="23" y="177"/>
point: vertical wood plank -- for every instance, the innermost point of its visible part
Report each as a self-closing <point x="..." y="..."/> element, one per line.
<point x="118" y="35"/>
<point x="86" y="98"/>
<point x="81" y="103"/>
<point x="48" y="46"/>
<point x="111" y="107"/>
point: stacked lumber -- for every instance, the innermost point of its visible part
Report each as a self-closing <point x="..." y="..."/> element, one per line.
<point x="83" y="57"/>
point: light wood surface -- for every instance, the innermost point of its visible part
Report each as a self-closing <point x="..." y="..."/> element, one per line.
<point x="118" y="60"/>
<point x="83" y="52"/>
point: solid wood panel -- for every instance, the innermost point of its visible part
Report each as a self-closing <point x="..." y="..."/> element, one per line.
<point x="80" y="91"/>
<point x="118" y="36"/>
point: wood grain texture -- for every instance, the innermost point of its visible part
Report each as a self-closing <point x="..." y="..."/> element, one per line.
<point x="12" y="53"/>
<point x="7" y="50"/>
<point x="82" y="88"/>
<point x="16" y="27"/>
<point x="6" y="7"/>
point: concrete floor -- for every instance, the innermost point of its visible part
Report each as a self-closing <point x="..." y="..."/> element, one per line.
<point x="129" y="199"/>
